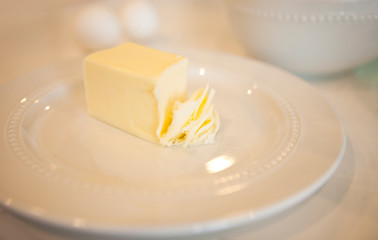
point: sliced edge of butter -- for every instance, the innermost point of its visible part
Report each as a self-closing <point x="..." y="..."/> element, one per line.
<point x="194" y="121"/>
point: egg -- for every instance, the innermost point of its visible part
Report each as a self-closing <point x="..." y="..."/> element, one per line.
<point x="98" y="27"/>
<point x="139" y="19"/>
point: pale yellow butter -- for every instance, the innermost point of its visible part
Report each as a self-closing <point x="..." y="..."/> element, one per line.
<point x="143" y="91"/>
<point x="194" y="121"/>
<point x="133" y="88"/>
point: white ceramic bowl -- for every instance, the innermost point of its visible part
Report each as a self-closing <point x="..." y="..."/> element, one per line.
<point x="310" y="37"/>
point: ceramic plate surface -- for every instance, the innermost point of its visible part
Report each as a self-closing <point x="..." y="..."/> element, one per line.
<point x="278" y="143"/>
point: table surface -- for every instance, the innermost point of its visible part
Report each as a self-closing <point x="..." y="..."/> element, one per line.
<point x="35" y="33"/>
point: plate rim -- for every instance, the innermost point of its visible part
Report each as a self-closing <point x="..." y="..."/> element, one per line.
<point x="200" y="227"/>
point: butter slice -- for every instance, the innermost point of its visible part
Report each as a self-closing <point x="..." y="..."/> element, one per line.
<point x="134" y="88"/>
<point x="194" y="121"/>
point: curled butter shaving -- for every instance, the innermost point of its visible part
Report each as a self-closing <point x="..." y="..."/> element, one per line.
<point x="194" y="121"/>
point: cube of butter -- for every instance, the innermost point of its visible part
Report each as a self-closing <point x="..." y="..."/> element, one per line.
<point x="134" y="88"/>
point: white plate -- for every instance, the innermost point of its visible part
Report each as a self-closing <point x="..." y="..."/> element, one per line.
<point x="278" y="143"/>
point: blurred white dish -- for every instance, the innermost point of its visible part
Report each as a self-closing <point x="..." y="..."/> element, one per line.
<point x="308" y="37"/>
<point x="279" y="143"/>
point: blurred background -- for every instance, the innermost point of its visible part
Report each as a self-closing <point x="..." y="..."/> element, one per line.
<point x="308" y="37"/>
<point x="38" y="32"/>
